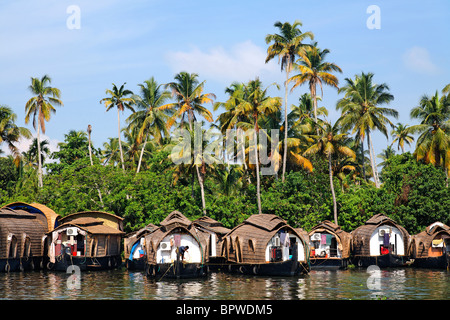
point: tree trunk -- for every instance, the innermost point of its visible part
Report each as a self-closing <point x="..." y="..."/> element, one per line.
<point x="202" y="191"/>
<point x="285" y="122"/>
<point x="120" y="142"/>
<point x="372" y="162"/>
<point x="40" y="184"/>
<point x="332" y="189"/>
<point x="258" y="183"/>
<point x="90" y="151"/>
<point x="142" y="154"/>
<point x="362" y="160"/>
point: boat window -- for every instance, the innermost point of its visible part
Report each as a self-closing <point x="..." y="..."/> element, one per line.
<point x="27" y="247"/>
<point x="251" y="245"/>
<point x="12" y="247"/>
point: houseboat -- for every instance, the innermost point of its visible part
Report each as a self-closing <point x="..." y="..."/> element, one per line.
<point x="431" y="247"/>
<point x="134" y="247"/>
<point x="165" y="249"/>
<point x="90" y="240"/>
<point x="329" y="246"/>
<point x="265" y="244"/>
<point x="25" y="227"/>
<point x="380" y="241"/>
<point x="21" y="240"/>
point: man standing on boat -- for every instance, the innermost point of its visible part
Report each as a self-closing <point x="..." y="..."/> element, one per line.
<point x="182" y="250"/>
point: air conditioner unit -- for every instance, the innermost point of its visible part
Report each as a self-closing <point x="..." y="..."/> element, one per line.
<point x="316" y="237"/>
<point x="381" y="232"/>
<point x="276" y="242"/>
<point x="165" y="246"/>
<point x="72" y="231"/>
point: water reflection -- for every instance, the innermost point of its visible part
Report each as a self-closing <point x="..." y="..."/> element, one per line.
<point x="123" y="285"/>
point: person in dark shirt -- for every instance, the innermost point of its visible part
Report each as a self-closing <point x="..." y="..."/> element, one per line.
<point x="182" y="250"/>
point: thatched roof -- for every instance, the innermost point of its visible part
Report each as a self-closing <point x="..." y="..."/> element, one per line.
<point x="131" y="237"/>
<point x="19" y="223"/>
<point x="343" y="238"/>
<point x="90" y="225"/>
<point x="51" y="216"/>
<point x="108" y="219"/>
<point x="211" y="225"/>
<point x="247" y="242"/>
<point x="174" y="219"/>
<point x="361" y="235"/>
<point x="421" y="242"/>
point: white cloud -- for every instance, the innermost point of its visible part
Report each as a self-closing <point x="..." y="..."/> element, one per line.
<point x="242" y="62"/>
<point x="418" y="60"/>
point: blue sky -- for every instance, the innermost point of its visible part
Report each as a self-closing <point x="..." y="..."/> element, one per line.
<point x="222" y="41"/>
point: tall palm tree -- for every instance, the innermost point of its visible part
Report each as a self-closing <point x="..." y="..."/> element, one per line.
<point x="41" y="106"/>
<point x="254" y="103"/>
<point x="150" y="119"/>
<point x="10" y="133"/>
<point x="314" y="70"/>
<point x="329" y="143"/>
<point x="118" y="98"/>
<point x="361" y="111"/>
<point x="401" y="135"/>
<point x="433" y="144"/>
<point x="286" y="46"/>
<point x="189" y="96"/>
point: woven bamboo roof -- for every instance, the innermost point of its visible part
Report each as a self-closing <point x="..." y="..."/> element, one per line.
<point x="90" y="225"/>
<point x="175" y="218"/>
<point x="212" y="225"/>
<point x="51" y="216"/>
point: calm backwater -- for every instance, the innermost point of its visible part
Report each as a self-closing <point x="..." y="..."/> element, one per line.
<point x="403" y="284"/>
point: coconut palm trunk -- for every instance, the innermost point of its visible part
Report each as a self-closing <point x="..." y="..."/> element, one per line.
<point x="288" y="68"/>
<point x="120" y="142"/>
<point x="141" y="155"/>
<point x="372" y="161"/>
<point x="332" y="189"/>
<point x="258" y="182"/>
<point x="39" y="155"/>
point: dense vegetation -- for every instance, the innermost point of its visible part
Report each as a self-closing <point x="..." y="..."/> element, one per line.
<point x="323" y="170"/>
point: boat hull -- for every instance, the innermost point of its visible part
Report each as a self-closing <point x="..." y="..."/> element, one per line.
<point x="384" y="261"/>
<point x="62" y="263"/>
<point x="442" y="262"/>
<point x="287" y="268"/>
<point x="136" y="264"/>
<point x="20" y="264"/>
<point x="176" y="270"/>
<point x="328" y="263"/>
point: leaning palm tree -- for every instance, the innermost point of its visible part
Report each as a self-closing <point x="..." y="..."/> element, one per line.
<point x="118" y="98"/>
<point x="189" y="96"/>
<point x="253" y="104"/>
<point x="10" y="133"/>
<point x="286" y="46"/>
<point x="150" y="119"/>
<point x="433" y="144"/>
<point x="41" y="106"/>
<point x="329" y="143"/>
<point x="361" y="111"/>
<point x="401" y="135"/>
<point x="315" y="71"/>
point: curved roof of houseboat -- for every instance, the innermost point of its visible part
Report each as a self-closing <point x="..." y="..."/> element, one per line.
<point x="109" y="219"/>
<point x="51" y="216"/>
<point x="211" y="225"/>
<point x="90" y="225"/>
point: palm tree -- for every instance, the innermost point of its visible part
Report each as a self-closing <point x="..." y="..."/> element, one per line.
<point x="31" y="155"/>
<point x="253" y="104"/>
<point x="385" y="155"/>
<point x="314" y="70"/>
<point x="433" y="144"/>
<point x="118" y="98"/>
<point x="361" y="111"/>
<point x="401" y="134"/>
<point x="10" y="133"/>
<point x="150" y="119"/>
<point x="330" y="142"/>
<point x="188" y="92"/>
<point x="286" y="46"/>
<point x="41" y="106"/>
<point x="110" y="152"/>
